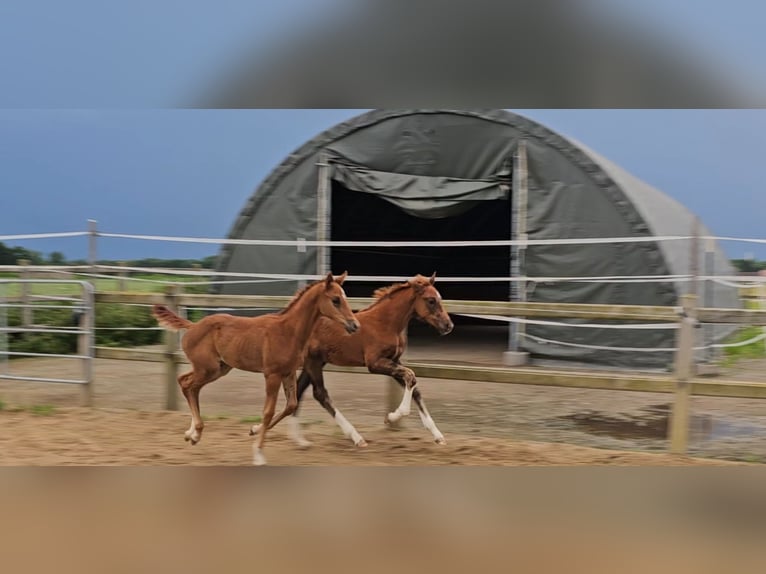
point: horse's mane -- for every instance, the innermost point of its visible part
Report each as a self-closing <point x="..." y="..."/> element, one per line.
<point x="386" y="293"/>
<point x="298" y="294"/>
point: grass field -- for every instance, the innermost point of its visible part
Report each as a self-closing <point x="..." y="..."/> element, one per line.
<point x="145" y="283"/>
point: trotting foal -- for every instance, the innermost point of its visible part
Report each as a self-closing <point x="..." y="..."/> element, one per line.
<point x="378" y="345"/>
<point x="271" y="344"/>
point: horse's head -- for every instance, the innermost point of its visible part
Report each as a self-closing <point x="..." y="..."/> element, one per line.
<point x="428" y="304"/>
<point x="333" y="303"/>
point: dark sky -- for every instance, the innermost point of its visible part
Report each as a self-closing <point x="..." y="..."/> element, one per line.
<point x="189" y="172"/>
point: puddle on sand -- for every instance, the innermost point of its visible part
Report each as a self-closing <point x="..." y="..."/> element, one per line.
<point x="652" y="423"/>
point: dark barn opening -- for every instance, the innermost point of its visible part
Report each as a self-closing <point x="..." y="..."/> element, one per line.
<point x="364" y="217"/>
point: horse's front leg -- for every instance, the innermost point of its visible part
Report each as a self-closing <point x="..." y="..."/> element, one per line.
<point x="314" y="371"/>
<point x="425" y="418"/>
<point x="402" y="375"/>
<point x="289" y="386"/>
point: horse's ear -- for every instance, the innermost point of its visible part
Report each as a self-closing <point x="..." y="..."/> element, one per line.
<point x="329" y="280"/>
<point x="341" y="278"/>
<point x="432" y="278"/>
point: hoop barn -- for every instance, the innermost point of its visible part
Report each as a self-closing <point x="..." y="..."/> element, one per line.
<point x="454" y="175"/>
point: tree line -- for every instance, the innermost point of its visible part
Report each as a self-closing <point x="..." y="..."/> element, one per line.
<point x="11" y="256"/>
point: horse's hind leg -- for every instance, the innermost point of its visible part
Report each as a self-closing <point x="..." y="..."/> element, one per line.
<point x="191" y="384"/>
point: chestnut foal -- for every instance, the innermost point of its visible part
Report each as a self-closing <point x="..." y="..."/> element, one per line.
<point x="271" y="344"/>
<point x="378" y="345"/>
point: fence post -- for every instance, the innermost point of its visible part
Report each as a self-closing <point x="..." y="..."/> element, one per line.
<point x="171" y="347"/>
<point x="92" y="248"/>
<point x="27" y="318"/>
<point x="85" y="343"/>
<point x="679" y="417"/>
<point x="122" y="274"/>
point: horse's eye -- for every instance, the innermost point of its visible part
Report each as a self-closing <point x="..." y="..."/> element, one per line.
<point x="336" y="301"/>
<point x="432" y="302"/>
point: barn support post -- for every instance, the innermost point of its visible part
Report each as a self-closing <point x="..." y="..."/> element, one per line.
<point x="301" y="248"/>
<point x="171" y="348"/>
<point x="678" y="427"/>
<point x="323" y="213"/>
<point x="514" y="356"/>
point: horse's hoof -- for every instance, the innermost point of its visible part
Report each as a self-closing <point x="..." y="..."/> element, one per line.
<point x="361" y="444"/>
<point x="258" y="458"/>
<point x="440" y="440"/>
<point x="303" y="444"/>
<point x="254" y="430"/>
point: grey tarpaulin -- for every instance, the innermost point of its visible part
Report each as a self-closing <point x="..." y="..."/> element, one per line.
<point x="448" y="163"/>
<point x="420" y="195"/>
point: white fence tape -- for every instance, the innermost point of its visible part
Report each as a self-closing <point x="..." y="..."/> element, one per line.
<point x="502" y="318"/>
<point x="750" y="341"/>
<point x="315" y="243"/>
<point x="42" y="235"/>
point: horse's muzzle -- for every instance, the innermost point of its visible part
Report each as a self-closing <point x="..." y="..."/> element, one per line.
<point x="446" y="329"/>
<point x="352" y="326"/>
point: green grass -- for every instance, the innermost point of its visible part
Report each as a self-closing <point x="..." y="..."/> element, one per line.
<point x="215" y="417"/>
<point x="37" y="410"/>
<point x="42" y="410"/>
<point x="250" y="420"/>
<point x="103" y="284"/>
<point x="755" y="350"/>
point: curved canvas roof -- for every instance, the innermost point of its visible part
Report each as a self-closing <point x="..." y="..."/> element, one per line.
<point x="438" y="163"/>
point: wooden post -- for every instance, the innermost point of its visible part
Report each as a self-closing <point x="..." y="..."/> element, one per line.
<point x="86" y="343"/>
<point x="92" y="250"/>
<point x="171" y="347"/>
<point x="122" y="274"/>
<point x="27" y="318"/>
<point x="709" y="296"/>
<point x="678" y="427"/>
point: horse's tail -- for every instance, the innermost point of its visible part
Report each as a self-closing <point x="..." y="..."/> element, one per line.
<point x="169" y="320"/>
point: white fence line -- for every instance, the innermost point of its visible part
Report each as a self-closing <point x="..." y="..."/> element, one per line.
<point x="250" y="278"/>
<point x="314" y="243"/>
